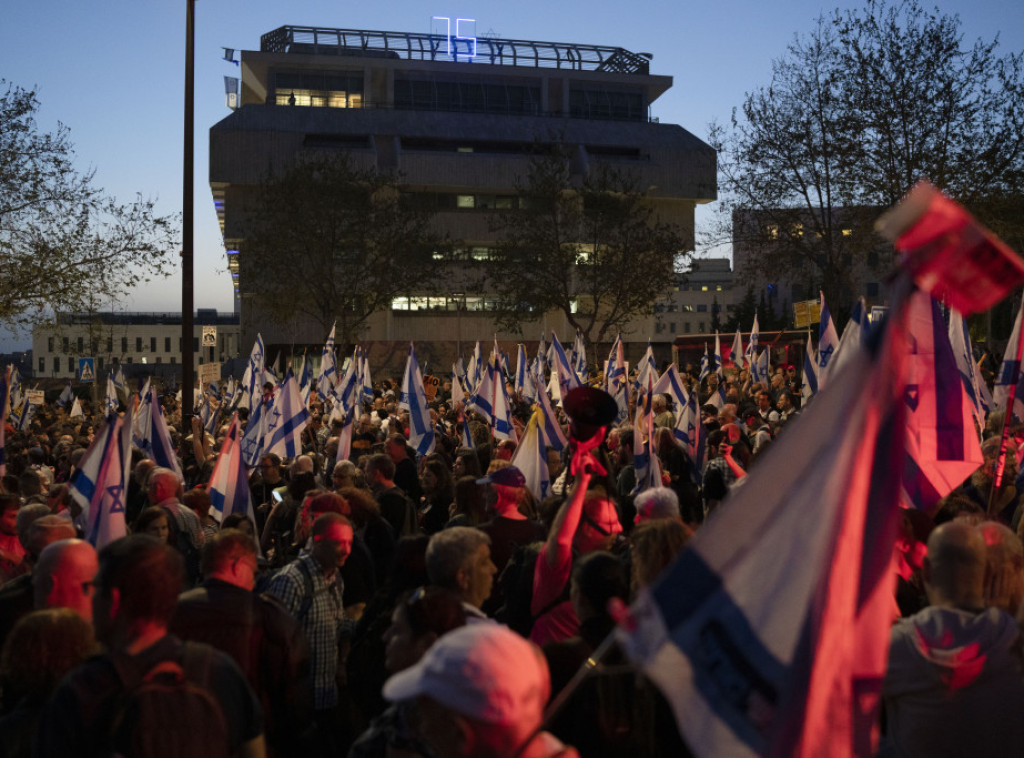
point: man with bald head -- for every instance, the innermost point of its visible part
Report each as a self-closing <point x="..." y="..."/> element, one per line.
<point x="954" y="677"/>
<point x="63" y="577"/>
<point x="36" y="529"/>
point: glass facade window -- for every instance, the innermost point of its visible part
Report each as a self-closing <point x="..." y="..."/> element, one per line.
<point x="312" y="90"/>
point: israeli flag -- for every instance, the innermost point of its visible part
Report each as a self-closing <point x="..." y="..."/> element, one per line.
<point x="691" y="435"/>
<point x="942" y="444"/>
<point x="111" y="401"/>
<point x="531" y="458"/>
<point x="328" y="368"/>
<point x="568" y="379"/>
<point x="65" y="397"/>
<point x="769" y="634"/>
<point x="504" y="429"/>
<point x="550" y="429"/>
<point x="671" y="384"/>
<point x="253" y="378"/>
<point x="229" y="482"/>
<point x="287" y="418"/>
<point x="255" y="430"/>
<point x="857" y="330"/>
<point x="414" y="399"/>
<point x="810" y="380"/>
<point x="1009" y="372"/>
<point x="705" y="365"/>
<point x="616" y="381"/>
<point x="151" y="434"/>
<point x="646" y="465"/>
<point x="306" y="379"/>
<point x="482" y="399"/>
<point x="736" y="354"/>
<point x="751" y="353"/>
<point x="970" y="374"/>
<point x="100" y="483"/>
<point x="646" y="366"/>
<point x="525" y="384"/>
<point x="827" y="343"/>
<point x="364" y="377"/>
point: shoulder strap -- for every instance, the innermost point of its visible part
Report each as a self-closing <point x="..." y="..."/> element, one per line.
<point x="196" y="661"/>
<point x="307" y="596"/>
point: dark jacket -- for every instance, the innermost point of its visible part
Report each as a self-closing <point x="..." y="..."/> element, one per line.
<point x="266" y="643"/>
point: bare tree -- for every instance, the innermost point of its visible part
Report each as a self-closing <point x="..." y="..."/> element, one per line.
<point x="63" y="241"/>
<point x="592" y="249"/>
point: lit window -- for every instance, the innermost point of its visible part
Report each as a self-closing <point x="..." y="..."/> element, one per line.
<point x="798" y="230"/>
<point x="463" y="149"/>
<point x="318" y="98"/>
<point x="464" y="201"/>
<point x="847" y="232"/>
<point x="704" y="288"/>
<point x="772" y="230"/>
<point x="718" y="288"/>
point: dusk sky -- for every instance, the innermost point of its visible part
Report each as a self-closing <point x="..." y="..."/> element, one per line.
<point x="113" y="72"/>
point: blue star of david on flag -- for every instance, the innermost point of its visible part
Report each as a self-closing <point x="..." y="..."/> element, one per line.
<point x="116" y="503"/>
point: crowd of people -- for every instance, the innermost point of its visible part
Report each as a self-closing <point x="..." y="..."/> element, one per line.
<point x="387" y="604"/>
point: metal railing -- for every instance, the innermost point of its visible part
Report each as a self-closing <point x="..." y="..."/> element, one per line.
<point x="311" y="40"/>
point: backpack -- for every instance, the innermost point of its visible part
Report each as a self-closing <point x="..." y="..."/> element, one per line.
<point x="182" y="542"/>
<point x="169" y="711"/>
<point x="516" y="582"/>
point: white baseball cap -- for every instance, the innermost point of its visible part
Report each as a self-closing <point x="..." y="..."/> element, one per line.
<point x="483" y="671"/>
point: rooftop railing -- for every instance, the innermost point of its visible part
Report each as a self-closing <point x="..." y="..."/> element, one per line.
<point x="310" y="40"/>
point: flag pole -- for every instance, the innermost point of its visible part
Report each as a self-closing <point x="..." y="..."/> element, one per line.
<point x="1007" y="415"/>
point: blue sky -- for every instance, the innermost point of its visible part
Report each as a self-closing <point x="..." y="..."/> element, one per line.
<point x="113" y="71"/>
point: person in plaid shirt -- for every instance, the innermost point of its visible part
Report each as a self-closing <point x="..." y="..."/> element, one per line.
<point x="311" y="588"/>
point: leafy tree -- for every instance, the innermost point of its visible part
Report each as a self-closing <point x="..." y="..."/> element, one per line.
<point x="65" y="244"/>
<point x="858" y="110"/>
<point x="334" y="243"/>
<point x="591" y="248"/>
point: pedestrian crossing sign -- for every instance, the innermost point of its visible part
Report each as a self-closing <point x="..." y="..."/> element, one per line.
<point x="86" y="369"/>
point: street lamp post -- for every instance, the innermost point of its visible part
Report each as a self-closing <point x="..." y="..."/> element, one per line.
<point x="187" y="246"/>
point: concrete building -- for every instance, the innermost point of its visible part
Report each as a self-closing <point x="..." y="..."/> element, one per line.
<point x="457" y="118"/>
<point x="782" y="255"/>
<point x="144" y="343"/>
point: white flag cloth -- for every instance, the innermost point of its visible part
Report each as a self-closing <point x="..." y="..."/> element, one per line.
<point x="736" y="354"/>
<point x="286" y="420"/>
<point x="856" y="332"/>
<point x="328" y="368"/>
<point x="229" y="482"/>
<point x="1009" y="372"/>
<point x="504" y="429"/>
<point x="617" y="379"/>
<point x="827" y="343"/>
<point x="76" y="410"/>
<point x="414" y="399"/>
<point x="252" y="380"/>
<point x="551" y="430"/>
<point x="531" y="458"/>
<point x="810" y="380"/>
<point x="942" y="444"/>
<point x="769" y="634"/>
<point x="151" y="434"/>
<point x="751" y="353"/>
<point x="671" y="384"/>
<point x="646" y="366"/>
<point x="970" y="374"/>
<point x="100" y="483"/>
<point x="568" y="379"/>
